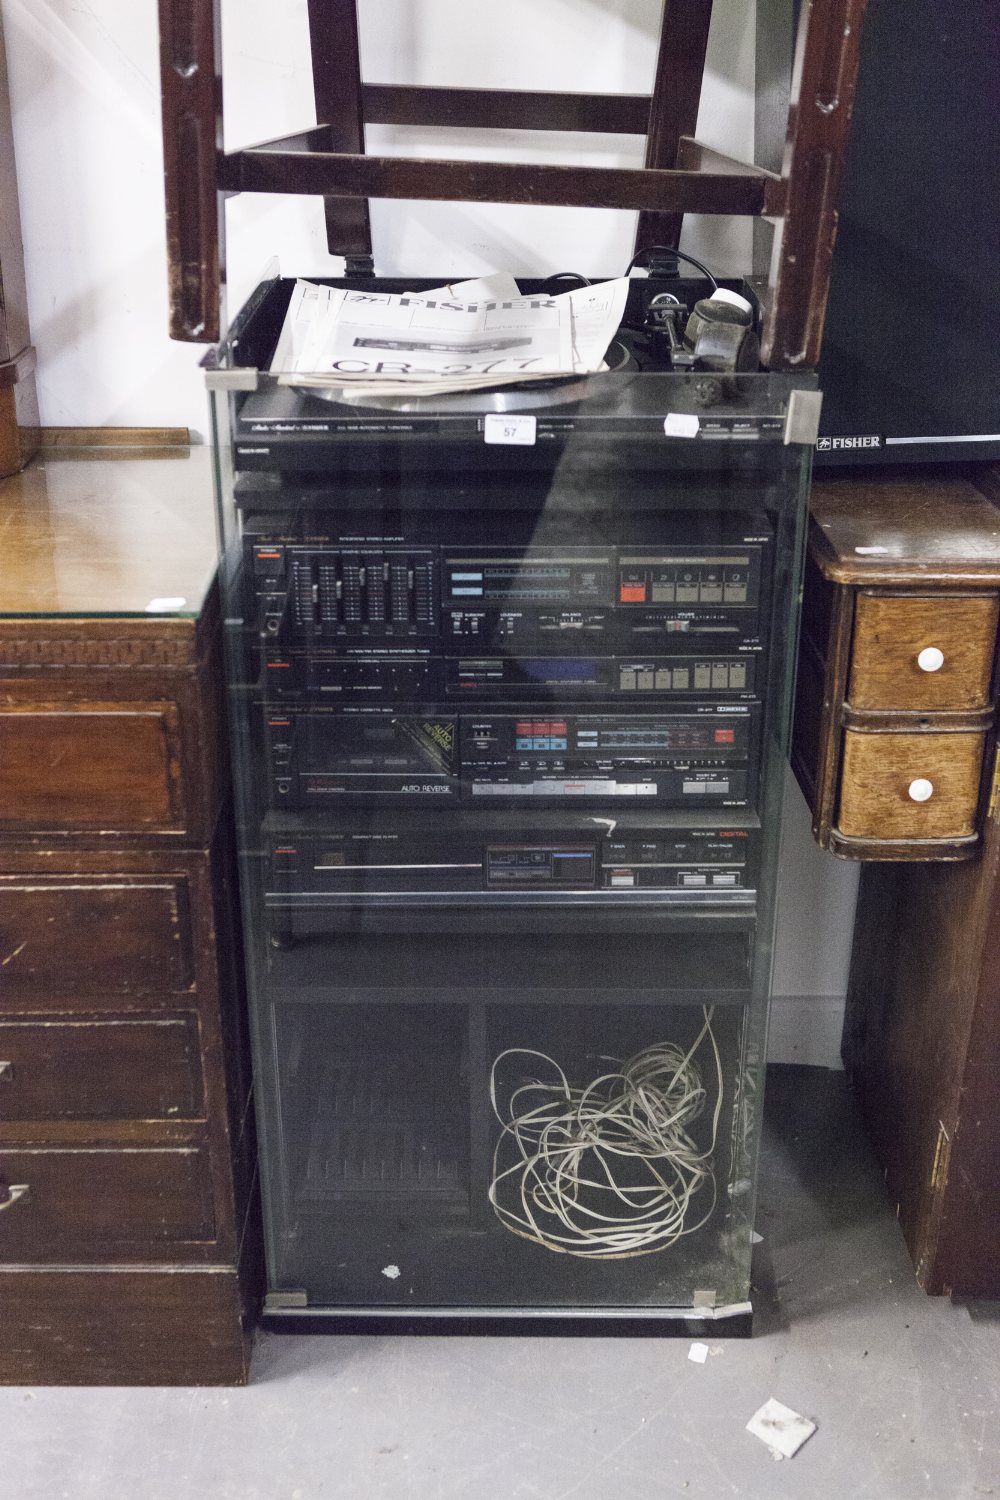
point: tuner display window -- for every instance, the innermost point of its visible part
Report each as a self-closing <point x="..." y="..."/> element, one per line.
<point x="560" y="669"/>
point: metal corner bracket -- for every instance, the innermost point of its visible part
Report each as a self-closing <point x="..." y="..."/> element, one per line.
<point x="802" y="417"/>
<point x="231" y="380"/>
<point x="278" y="1301"/>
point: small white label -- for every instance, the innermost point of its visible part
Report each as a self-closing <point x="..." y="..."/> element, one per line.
<point x="871" y="551"/>
<point x="517" y="430"/>
<point x="167" y="606"/>
<point x="681" y="424"/>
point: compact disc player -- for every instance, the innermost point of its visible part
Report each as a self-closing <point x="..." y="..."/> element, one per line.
<point x="411" y="859"/>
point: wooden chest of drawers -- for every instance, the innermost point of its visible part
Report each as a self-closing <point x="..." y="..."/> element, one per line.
<point x="894" y="721"/>
<point x="126" y="1139"/>
<point x="902" y="567"/>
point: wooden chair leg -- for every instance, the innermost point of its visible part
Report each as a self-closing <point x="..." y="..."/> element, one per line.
<point x="192" y="126"/>
<point x="336" y="66"/>
<point x="819" y="120"/>
<point x="18" y="396"/>
<point x="680" y="67"/>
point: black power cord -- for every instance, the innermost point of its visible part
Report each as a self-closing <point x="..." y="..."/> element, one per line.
<point x="567" y="276"/>
<point x="677" y="254"/>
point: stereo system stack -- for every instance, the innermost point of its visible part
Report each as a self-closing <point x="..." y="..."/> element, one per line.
<point x="510" y="708"/>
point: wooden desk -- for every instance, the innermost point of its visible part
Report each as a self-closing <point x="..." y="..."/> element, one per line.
<point x="126" y="1140"/>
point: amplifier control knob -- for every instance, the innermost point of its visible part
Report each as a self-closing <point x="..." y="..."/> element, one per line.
<point x="921" y="790"/>
<point x="930" y="659"/>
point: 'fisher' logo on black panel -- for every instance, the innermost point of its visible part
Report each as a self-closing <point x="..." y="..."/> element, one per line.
<point x="836" y="444"/>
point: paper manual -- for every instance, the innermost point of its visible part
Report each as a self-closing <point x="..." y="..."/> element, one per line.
<point x="469" y="336"/>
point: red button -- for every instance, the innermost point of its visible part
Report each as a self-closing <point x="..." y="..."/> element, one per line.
<point x="633" y="593"/>
<point x="725" y="736"/>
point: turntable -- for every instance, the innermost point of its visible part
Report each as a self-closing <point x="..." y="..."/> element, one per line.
<point x="658" y="386"/>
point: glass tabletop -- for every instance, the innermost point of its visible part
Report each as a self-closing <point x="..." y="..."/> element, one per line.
<point x="109" y="532"/>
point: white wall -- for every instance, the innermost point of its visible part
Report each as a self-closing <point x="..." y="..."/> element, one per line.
<point x="817" y="895"/>
<point x="85" y="86"/>
<point x="603" y="45"/>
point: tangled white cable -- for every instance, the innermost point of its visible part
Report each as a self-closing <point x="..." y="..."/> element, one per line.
<point x="607" y="1171"/>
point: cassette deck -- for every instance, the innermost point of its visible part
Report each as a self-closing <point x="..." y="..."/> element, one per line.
<point x="386" y="756"/>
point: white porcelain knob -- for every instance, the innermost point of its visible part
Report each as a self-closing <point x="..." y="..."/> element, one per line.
<point x="921" y="789"/>
<point x="930" y="659"/>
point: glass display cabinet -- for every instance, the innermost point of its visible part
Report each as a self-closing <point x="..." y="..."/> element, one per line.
<point x="509" y="684"/>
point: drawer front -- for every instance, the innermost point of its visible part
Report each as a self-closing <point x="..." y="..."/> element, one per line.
<point x="914" y="653"/>
<point x="90" y="936"/>
<point x="101" y="1204"/>
<point x="90" y="766"/>
<point x="144" y="1326"/>
<point x="880" y="788"/>
<point x="99" y="1068"/>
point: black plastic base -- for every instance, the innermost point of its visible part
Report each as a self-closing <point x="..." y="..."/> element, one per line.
<point x="581" y="1323"/>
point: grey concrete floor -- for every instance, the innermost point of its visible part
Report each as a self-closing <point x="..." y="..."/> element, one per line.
<point x="905" y="1389"/>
